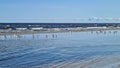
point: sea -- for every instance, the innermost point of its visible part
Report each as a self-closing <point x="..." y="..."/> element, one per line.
<point x="56" y="25"/>
<point x="46" y="49"/>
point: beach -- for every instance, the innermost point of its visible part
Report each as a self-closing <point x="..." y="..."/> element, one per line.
<point x="59" y="34"/>
<point x="111" y="61"/>
<point x="79" y="49"/>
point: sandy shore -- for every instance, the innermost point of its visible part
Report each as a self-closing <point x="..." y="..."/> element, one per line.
<point x="112" y="61"/>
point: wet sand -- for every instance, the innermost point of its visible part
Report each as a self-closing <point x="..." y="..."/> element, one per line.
<point x="111" y="61"/>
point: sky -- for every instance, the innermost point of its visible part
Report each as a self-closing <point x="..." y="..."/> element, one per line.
<point x="59" y="11"/>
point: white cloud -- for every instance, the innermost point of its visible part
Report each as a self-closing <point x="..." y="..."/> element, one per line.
<point x="95" y="19"/>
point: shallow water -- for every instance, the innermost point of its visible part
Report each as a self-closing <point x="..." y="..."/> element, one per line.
<point x="39" y="49"/>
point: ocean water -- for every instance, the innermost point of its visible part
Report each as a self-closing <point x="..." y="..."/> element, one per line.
<point x="55" y="25"/>
<point x="52" y="48"/>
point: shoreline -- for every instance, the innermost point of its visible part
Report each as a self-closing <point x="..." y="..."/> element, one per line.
<point x="110" y="61"/>
<point x="52" y="30"/>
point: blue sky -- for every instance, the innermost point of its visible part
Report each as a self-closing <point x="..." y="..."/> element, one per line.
<point x="61" y="11"/>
